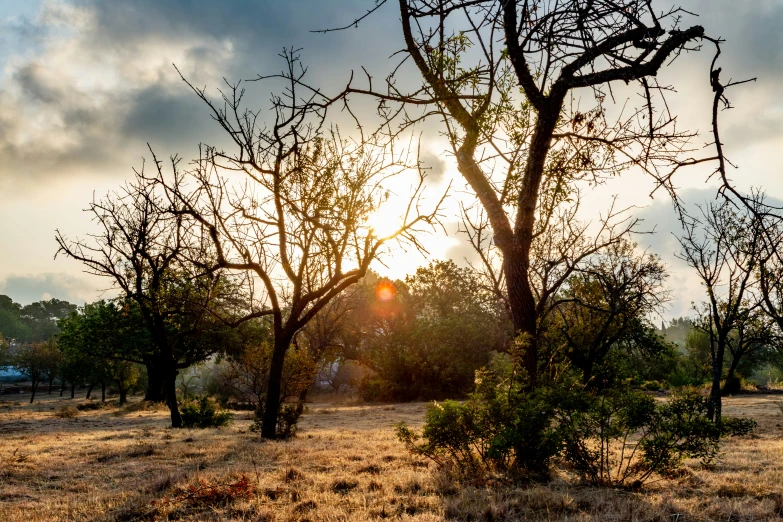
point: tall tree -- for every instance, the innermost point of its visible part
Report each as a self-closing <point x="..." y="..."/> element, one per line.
<point x="524" y="154"/>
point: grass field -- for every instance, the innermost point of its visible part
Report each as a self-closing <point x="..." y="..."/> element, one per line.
<point x="344" y="465"/>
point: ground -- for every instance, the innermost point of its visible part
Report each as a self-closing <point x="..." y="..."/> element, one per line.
<point x="345" y="464"/>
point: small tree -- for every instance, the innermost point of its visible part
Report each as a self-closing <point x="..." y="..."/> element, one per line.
<point x="301" y="226"/>
<point x="142" y="249"/>
<point x="37" y="362"/>
<point x="725" y="253"/>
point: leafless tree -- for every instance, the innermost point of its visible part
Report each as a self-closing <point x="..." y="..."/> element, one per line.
<point x="524" y="154"/>
<point x="725" y="250"/>
<point x="141" y="246"/>
<point x="291" y="205"/>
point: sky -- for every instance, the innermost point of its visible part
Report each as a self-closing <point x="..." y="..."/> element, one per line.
<point x="86" y="84"/>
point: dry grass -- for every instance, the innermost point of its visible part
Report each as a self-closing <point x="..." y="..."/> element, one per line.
<point x="345" y="465"/>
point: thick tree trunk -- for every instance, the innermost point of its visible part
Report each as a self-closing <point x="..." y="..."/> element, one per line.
<point x="35" y="387"/>
<point x="523" y="310"/>
<point x="89" y="390"/>
<point x="272" y="406"/>
<point x="123" y="396"/>
<point x="156" y="386"/>
<point x="171" y="392"/>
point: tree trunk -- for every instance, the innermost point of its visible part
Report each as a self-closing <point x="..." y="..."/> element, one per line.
<point x="729" y="387"/>
<point x="123" y="396"/>
<point x="523" y="311"/>
<point x="272" y="406"/>
<point x="156" y="386"/>
<point x="89" y="390"/>
<point x="171" y="392"/>
<point x="716" y="405"/>
<point x="73" y="389"/>
<point x="62" y="387"/>
<point x="103" y="392"/>
<point x="51" y="385"/>
<point x="35" y="387"/>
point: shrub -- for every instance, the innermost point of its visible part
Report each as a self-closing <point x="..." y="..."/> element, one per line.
<point x="651" y="385"/>
<point x="596" y="436"/>
<point x="616" y="437"/>
<point x="66" y="412"/>
<point x="287" y="420"/>
<point x="497" y="429"/>
<point x="204" y="412"/>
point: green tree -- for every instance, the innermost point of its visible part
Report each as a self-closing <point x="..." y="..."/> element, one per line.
<point x="37" y="362"/>
<point x="11" y="325"/>
<point x="600" y="319"/>
<point x="429" y="337"/>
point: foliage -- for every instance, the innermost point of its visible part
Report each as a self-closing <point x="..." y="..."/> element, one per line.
<point x="36" y="322"/>
<point x="204" y="412"/>
<point x="622" y="438"/>
<point x="429" y="338"/>
<point x="599" y="319"/>
<point x="611" y="437"/>
<point x="500" y="428"/>
<point x="67" y="411"/>
<point x="38" y="362"/>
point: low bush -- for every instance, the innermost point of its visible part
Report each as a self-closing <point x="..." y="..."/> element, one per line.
<point x="617" y="437"/>
<point x="622" y="438"/>
<point x="287" y="420"/>
<point x="497" y="429"/>
<point x="204" y="412"/>
<point x="66" y="412"/>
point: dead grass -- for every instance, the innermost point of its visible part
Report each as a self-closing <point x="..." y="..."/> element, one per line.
<point x="344" y="465"/>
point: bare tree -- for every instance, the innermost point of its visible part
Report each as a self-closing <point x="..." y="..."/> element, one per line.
<point x="725" y="250"/>
<point x="524" y="154"/>
<point x="141" y="248"/>
<point x="298" y="222"/>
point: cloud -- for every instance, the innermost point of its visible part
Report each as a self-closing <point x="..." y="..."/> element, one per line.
<point x="26" y="289"/>
<point x="434" y="166"/>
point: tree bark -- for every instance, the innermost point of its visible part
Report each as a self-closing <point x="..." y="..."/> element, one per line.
<point x="272" y="406"/>
<point x="730" y="376"/>
<point x="156" y="387"/>
<point x="716" y="405"/>
<point x="123" y="396"/>
<point x="171" y="392"/>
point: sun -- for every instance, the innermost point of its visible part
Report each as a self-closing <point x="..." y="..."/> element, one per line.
<point x="385" y="221"/>
<point x="385" y="291"/>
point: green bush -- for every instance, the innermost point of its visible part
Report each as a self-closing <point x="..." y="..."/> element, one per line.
<point x="597" y="436"/>
<point x="497" y="429"/>
<point x="204" y="412"/>
<point x="616" y="437"/>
